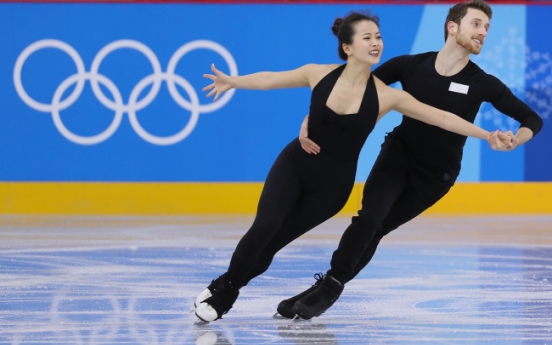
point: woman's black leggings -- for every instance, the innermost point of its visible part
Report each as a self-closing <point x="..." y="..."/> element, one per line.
<point x="301" y="191"/>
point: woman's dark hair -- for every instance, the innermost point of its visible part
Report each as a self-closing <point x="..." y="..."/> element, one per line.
<point x="344" y="29"/>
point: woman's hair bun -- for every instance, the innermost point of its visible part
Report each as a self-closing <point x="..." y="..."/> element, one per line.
<point x="336" y="25"/>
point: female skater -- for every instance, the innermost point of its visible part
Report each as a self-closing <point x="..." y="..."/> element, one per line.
<point x="302" y="190"/>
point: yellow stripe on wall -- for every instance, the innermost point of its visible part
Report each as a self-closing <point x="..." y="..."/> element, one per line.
<point x="496" y="198"/>
<point x="128" y="198"/>
<point x="97" y="198"/>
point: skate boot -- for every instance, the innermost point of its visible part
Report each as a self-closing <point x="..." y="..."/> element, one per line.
<point x="208" y="292"/>
<point x="320" y="299"/>
<point x="221" y="301"/>
<point x="285" y="308"/>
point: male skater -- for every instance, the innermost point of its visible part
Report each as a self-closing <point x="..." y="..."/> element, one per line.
<point x="418" y="163"/>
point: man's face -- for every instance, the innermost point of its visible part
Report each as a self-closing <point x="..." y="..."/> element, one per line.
<point x="472" y="31"/>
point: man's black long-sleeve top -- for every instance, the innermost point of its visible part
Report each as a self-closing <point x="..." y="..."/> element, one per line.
<point x="462" y="94"/>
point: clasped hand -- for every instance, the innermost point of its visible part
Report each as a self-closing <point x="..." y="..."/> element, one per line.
<point x="502" y="141"/>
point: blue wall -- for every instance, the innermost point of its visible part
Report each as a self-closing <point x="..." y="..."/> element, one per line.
<point x="55" y="126"/>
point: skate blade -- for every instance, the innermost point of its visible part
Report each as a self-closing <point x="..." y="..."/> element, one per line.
<point x="279" y="316"/>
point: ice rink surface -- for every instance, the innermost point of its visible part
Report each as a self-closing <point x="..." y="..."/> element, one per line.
<point x="133" y="280"/>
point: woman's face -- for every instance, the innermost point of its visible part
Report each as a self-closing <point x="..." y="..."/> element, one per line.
<point x="367" y="43"/>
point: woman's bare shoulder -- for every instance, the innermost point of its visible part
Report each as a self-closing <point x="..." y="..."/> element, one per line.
<point x="321" y="68"/>
<point x="318" y="71"/>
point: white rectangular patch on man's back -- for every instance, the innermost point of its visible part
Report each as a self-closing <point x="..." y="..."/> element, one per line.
<point x="460" y="88"/>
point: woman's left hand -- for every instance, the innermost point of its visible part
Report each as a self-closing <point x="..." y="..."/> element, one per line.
<point x="221" y="83"/>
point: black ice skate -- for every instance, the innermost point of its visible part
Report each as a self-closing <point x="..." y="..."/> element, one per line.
<point x="221" y="301"/>
<point x="320" y="299"/>
<point x="285" y="308"/>
<point x="208" y="292"/>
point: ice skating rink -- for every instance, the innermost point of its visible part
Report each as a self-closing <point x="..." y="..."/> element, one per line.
<point x="133" y="280"/>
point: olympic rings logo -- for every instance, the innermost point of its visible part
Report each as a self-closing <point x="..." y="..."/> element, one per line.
<point x="116" y="104"/>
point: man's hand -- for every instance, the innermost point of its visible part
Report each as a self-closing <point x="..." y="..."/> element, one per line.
<point x="500" y="141"/>
<point x="308" y="145"/>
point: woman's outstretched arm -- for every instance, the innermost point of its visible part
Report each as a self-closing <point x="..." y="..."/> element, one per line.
<point x="307" y="75"/>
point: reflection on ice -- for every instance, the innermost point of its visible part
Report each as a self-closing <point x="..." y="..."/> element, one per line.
<point x="130" y="291"/>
